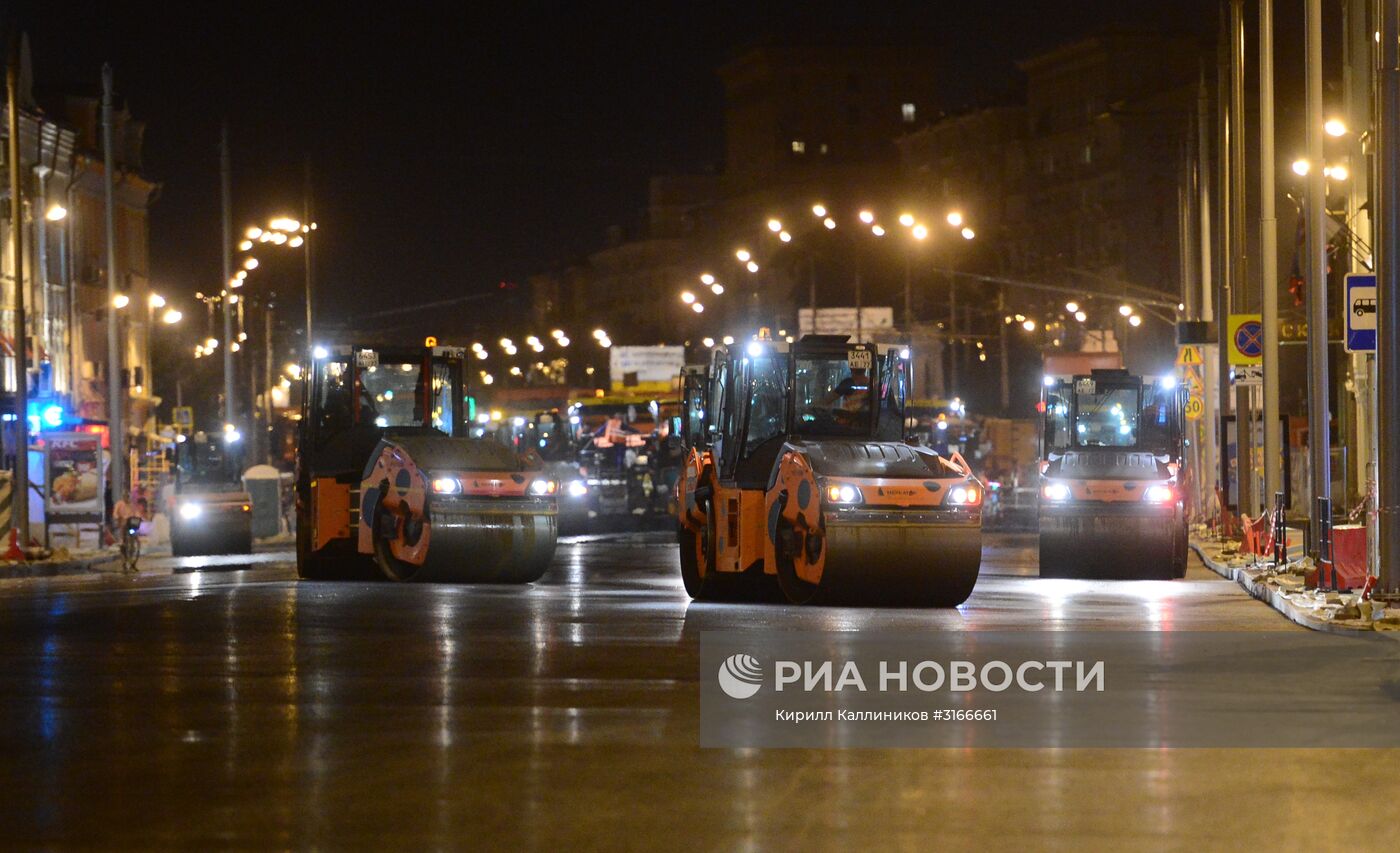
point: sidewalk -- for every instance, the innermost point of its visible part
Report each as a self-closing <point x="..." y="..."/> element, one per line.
<point x="1283" y="589"/>
<point x="62" y="563"/>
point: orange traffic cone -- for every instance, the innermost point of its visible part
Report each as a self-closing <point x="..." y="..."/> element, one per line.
<point x="14" y="552"/>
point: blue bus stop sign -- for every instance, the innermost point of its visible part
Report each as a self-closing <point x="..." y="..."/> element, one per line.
<point x="1361" y="313"/>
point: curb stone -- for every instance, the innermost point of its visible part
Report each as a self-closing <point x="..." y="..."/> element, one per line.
<point x="1318" y="611"/>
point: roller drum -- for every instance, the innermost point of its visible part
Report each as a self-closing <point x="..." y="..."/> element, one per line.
<point x="478" y="542"/>
<point x="1102" y="545"/>
<point x="897" y="563"/>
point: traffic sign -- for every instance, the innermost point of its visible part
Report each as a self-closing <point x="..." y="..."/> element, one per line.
<point x="1189" y="356"/>
<point x="1246" y="339"/>
<point x="1195" y="407"/>
<point x="183" y="416"/>
<point x="1361" y="313"/>
<point x="1249" y="374"/>
<point x="1193" y="383"/>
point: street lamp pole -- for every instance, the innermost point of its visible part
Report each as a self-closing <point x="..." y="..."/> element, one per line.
<point x="307" y="248"/>
<point x="1319" y="428"/>
<point x="1268" y="251"/>
<point x="226" y="188"/>
<point x="116" y="432"/>
<point x="20" y="514"/>
<point x="1388" y="302"/>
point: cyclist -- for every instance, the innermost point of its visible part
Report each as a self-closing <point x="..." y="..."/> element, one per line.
<point x="126" y="518"/>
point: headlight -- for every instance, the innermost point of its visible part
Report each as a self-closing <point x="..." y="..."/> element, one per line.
<point x="842" y="494"/>
<point x="191" y="511"/>
<point x="1158" y="494"/>
<point x="577" y="488"/>
<point x="965" y="495"/>
<point x="542" y="487"/>
<point x="1055" y="492"/>
<point x="447" y="485"/>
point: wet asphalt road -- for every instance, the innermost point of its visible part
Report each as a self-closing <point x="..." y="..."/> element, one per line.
<point x="240" y="708"/>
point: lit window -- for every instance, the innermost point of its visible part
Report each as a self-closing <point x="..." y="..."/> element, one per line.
<point x="799" y="147"/>
<point x="824" y="149"/>
<point x="1088" y="154"/>
<point x="907" y="110"/>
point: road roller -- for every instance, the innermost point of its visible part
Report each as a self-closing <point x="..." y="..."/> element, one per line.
<point x="389" y="483"/>
<point x="799" y="484"/>
<point x="1111" y="497"/>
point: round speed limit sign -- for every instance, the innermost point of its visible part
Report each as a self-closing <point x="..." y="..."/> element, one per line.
<point x="1195" y="407"/>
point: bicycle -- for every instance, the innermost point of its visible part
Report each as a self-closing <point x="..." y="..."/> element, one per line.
<point x="130" y="544"/>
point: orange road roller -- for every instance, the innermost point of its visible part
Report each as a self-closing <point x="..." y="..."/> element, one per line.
<point x="1111" y="475"/>
<point x="799" y="483"/>
<point x="389" y="483"/>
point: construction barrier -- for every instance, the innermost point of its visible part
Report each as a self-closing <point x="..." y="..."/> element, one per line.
<point x="1349" y="555"/>
<point x="7" y="499"/>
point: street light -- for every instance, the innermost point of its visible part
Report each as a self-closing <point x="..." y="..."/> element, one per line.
<point x="968" y="233"/>
<point x="1336" y="173"/>
<point x="708" y="342"/>
<point x="717" y="289"/>
<point x="1080" y="316"/>
<point x="121" y="300"/>
<point x="751" y="266"/>
<point x="877" y="230"/>
<point x="253" y="233"/>
<point x="818" y="211"/>
<point x="1072" y="307"/>
<point x="171" y="316"/>
<point x="56" y="213"/>
<point x="698" y="308"/>
<point x="687" y="297"/>
<point x="1335" y="127"/>
<point x="743" y="255"/>
<point x="784" y="236"/>
<point x="829" y="223"/>
<point x="906" y="219"/>
<point x="706" y="278"/>
<point x="1125" y="310"/>
<point x="867" y="217"/>
<point x="1301" y="167"/>
<point x="775" y="226"/>
<point x="920" y="232"/>
<point x="955" y="218"/>
<point x="250" y="264"/>
<point x="1135" y="321"/>
<point x="1028" y="324"/>
<point x="156" y="300"/>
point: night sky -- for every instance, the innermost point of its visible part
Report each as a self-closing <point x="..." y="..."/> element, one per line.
<point x="454" y="149"/>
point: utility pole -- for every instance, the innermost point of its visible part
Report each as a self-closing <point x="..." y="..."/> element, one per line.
<point x="20" y="513"/>
<point x="953" y="334"/>
<point x="116" y="431"/>
<point x="1388" y="299"/>
<point x="225" y="185"/>
<point x="1319" y="426"/>
<point x="1210" y="390"/>
<point x="1268" y="250"/>
<point x="1244" y="415"/>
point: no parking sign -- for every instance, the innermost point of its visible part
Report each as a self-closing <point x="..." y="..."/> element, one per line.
<point x="1246" y="339"/>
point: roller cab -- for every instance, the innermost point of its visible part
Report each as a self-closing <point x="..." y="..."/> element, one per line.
<point x="1111" y="497"/>
<point x="799" y="484"/>
<point x="389" y="483"/>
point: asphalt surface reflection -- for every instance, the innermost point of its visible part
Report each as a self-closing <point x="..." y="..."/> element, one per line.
<point x="229" y="705"/>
